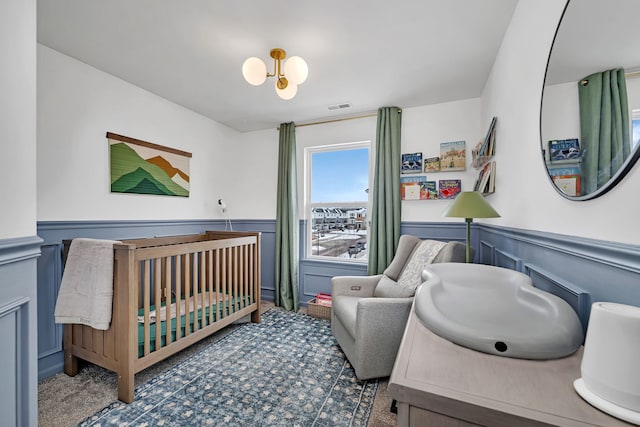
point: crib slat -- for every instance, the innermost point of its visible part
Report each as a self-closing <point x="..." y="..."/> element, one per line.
<point x="146" y="296"/>
<point x="178" y="297"/>
<point x="210" y="283"/>
<point x="240" y="277"/>
<point x="203" y="278"/>
<point x="235" y="279"/>
<point x="224" y="281"/>
<point x="186" y="271"/>
<point x="167" y="297"/>
<point x="239" y="262"/>
<point x="109" y="349"/>
<point x="216" y="278"/>
<point x="245" y="275"/>
<point x="250" y="273"/>
<point x="87" y="339"/>
<point x="230" y="294"/>
<point x="98" y="341"/>
<point x="194" y="293"/>
<point x="157" y="294"/>
<point x="193" y="280"/>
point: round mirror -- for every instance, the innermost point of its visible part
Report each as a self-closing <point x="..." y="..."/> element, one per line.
<point x="590" y="119"/>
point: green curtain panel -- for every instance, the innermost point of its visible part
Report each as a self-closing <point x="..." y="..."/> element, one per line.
<point x="604" y="127"/>
<point x="385" y="210"/>
<point x="286" y="223"/>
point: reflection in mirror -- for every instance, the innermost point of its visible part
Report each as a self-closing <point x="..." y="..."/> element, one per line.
<point x="590" y="119"/>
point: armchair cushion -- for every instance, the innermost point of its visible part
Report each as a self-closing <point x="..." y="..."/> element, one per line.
<point x="388" y="288"/>
<point x="346" y="308"/>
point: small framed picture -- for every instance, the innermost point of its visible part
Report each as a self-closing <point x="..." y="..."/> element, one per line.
<point x="410" y="187"/>
<point x="449" y="188"/>
<point x="411" y="163"/>
<point x="453" y="156"/>
<point x="432" y="164"/>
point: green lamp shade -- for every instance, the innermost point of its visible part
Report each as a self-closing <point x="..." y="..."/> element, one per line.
<point x="470" y="204"/>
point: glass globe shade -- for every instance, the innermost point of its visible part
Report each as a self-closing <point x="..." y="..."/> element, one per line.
<point x="288" y="92"/>
<point x="254" y="71"/>
<point x="296" y="70"/>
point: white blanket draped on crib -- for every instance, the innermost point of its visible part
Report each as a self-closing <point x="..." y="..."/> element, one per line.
<point x="86" y="291"/>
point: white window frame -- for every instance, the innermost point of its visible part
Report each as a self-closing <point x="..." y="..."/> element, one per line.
<point x="308" y="205"/>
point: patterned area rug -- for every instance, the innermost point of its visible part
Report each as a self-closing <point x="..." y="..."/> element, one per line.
<point x="286" y="371"/>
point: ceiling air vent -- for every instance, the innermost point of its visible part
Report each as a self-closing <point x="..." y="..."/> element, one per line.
<point x="339" y="106"/>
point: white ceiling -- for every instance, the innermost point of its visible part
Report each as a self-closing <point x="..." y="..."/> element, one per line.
<point x="369" y="53"/>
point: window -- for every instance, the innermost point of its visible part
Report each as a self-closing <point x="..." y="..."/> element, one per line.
<point x="337" y="198"/>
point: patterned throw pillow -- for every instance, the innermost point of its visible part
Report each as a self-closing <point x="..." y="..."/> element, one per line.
<point x="425" y="252"/>
<point x="411" y="276"/>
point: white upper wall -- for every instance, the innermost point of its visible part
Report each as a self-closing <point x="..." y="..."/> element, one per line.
<point x="253" y="195"/>
<point x="524" y="197"/>
<point x="18" y="118"/>
<point x="78" y="105"/>
<point x="252" y="164"/>
<point x="423" y="129"/>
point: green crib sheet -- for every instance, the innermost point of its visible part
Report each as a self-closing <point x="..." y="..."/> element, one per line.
<point x="222" y="305"/>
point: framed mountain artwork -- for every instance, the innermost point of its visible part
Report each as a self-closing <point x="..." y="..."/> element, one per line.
<point x="142" y="167"/>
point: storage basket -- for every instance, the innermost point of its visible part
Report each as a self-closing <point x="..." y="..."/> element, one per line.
<point x="316" y="310"/>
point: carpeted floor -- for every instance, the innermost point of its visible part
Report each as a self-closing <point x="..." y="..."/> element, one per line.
<point x="65" y="401"/>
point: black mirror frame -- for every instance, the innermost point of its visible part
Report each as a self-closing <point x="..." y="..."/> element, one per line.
<point x="619" y="175"/>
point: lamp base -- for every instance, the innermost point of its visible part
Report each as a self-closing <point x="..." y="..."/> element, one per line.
<point x="604" y="405"/>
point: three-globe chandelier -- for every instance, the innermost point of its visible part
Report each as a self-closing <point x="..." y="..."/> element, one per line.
<point x="294" y="72"/>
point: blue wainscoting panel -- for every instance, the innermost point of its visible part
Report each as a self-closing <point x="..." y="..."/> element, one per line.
<point x="18" y="331"/>
<point x="49" y="333"/>
<point x="13" y="321"/>
<point x="316" y="276"/>
<point x="578" y="299"/>
<point x="507" y="260"/>
<point x="487" y="253"/>
<point x="579" y="270"/>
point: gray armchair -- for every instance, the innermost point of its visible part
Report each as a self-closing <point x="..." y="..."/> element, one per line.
<point x="369" y="313"/>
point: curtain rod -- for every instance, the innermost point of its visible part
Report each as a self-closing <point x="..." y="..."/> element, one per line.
<point x="338" y="120"/>
<point x="632" y="74"/>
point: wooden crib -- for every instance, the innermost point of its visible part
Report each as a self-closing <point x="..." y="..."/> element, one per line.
<point x="169" y="292"/>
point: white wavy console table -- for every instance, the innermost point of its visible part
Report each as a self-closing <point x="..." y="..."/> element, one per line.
<point x="440" y="384"/>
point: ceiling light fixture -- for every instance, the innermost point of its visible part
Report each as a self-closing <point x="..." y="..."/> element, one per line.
<point x="295" y="69"/>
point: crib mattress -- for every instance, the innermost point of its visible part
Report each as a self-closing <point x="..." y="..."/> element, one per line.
<point x="185" y="321"/>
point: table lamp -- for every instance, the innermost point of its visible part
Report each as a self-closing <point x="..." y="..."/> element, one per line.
<point x="469" y="205"/>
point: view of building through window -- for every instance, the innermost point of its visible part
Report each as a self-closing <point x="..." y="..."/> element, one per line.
<point x="339" y="187"/>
